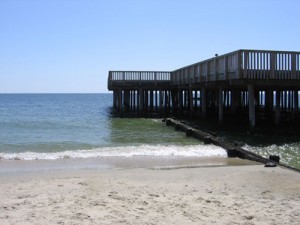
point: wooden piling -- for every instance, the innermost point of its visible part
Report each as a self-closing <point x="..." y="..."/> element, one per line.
<point x="221" y="105"/>
<point x="251" y="104"/>
<point x="203" y="102"/>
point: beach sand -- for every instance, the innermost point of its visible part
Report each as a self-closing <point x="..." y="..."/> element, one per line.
<point x="248" y="194"/>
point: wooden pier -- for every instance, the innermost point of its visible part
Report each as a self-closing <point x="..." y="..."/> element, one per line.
<point x="243" y="82"/>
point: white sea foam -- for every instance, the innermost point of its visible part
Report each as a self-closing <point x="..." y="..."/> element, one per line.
<point x="124" y="151"/>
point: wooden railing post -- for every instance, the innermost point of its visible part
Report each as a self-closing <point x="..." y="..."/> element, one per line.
<point x="245" y="68"/>
<point x="215" y="67"/>
<point x="207" y="71"/>
<point x="225" y="67"/>
<point x="194" y="70"/>
<point x="293" y="66"/>
<point x="109" y="80"/>
<point x="238" y="64"/>
<point x="272" y="65"/>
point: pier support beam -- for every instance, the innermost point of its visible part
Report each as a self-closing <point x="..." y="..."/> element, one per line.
<point x="269" y="101"/>
<point x="251" y="104"/>
<point x="234" y="100"/>
<point x="120" y="100"/>
<point x="166" y="101"/>
<point x="174" y="95"/>
<point x="185" y="99"/>
<point x="146" y="100"/>
<point x="126" y="100"/>
<point x="161" y="100"/>
<point x="296" y="101"/>
<point x="135" y="100"/>
<point x="277" y="110"/>
<point x="203" y="102"/>
<point x="221" y="106"/>
<point x="141" y="100"/>
<point x="190" y="99"/>
<point x="115" y="99"/>
<point x="180" y="99"/>
<point x="151" y="100"/>
<point x="156" y="100"/>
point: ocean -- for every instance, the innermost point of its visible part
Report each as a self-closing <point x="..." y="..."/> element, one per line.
<point x="47" y="127"/>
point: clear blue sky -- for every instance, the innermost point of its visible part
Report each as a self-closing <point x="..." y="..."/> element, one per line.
<point x="70" y="45"/>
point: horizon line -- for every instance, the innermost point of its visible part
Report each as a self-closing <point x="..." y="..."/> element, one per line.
<point x="55" y="93"/>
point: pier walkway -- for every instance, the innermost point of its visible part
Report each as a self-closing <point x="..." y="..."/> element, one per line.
<point x="244" y="81"/>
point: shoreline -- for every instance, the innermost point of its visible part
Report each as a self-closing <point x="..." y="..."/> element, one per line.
<point x="250" y="194"/>
<point x="11" y="167"/>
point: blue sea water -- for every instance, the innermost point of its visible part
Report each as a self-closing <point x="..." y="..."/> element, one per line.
<point x="59" y="126"/>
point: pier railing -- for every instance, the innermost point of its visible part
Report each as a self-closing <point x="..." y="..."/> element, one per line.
<point x="242" y="64"/>
<point x="238" y="65"/>
<point x="116" y="78"/>
<point x="217" y="68"/>
<point x="280" y="65"/>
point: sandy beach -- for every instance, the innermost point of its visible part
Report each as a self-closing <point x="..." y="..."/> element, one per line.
<point x="249" y="194"/>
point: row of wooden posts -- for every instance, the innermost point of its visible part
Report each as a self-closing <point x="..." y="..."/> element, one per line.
<point x="208" y="101"/>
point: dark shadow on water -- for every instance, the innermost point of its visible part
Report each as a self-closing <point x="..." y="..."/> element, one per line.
<point x="234" y="129"/>
<point x="237" y="130"/>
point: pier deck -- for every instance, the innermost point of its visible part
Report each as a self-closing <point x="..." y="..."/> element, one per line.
<point x="243" y="80"/>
